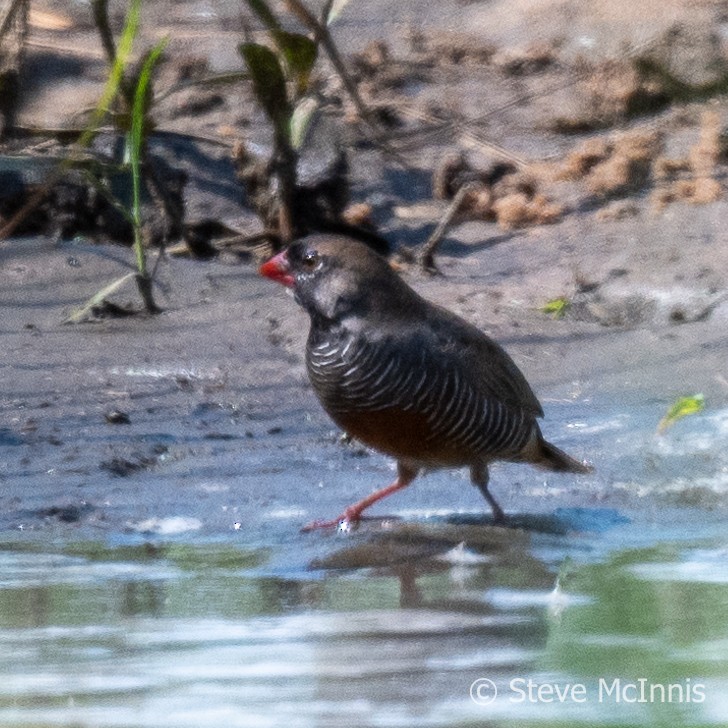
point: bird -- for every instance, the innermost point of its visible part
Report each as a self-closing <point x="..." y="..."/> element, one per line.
<point x="406" y="376"/>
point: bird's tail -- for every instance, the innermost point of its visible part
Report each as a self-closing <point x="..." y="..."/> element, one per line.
<point x="552" y="458"/>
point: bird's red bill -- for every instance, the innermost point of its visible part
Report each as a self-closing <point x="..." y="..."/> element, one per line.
<point x="278" y="269"/>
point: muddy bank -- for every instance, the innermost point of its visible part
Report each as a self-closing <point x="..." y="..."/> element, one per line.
<point x="205" y="412"/>
<point x="155" y="470"/>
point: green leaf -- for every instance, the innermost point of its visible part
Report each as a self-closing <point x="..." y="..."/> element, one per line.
<point x="299" y="53"/>
<point x="301" y="119"/>
<point x="266" y="15"/>
<point x="269" y="83"/>
<point x="556" y="307"/>
<point x="142" y="82"/>
<point x="682" y="407"/>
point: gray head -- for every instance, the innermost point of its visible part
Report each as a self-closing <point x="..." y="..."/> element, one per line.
<point x="335" y="278"/>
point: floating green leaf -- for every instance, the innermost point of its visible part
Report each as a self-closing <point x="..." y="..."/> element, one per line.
<point x="556" y="307"/>
<point x="682" y="407"/>
<point x="269" y="83"/>
<point x="299" y="53"/>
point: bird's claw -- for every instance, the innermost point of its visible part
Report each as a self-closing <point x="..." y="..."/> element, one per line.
<point x="343" y="524"/>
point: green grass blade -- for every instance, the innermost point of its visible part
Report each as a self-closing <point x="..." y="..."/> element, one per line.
<point x="82" y="313"/>
<point x="116" y="75"/>
<point x="136" y="147"/>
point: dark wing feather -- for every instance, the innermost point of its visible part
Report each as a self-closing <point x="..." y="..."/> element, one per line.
<point x="483" y="363"/>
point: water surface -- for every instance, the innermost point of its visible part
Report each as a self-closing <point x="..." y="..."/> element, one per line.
<point x="390" y="625"/>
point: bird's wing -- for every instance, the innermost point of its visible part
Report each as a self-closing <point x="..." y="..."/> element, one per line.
<point x="457" y="346"/>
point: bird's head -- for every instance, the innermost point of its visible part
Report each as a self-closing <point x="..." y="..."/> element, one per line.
<point x="334" y="277"/>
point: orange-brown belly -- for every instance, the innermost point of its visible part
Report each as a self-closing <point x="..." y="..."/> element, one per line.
<point x="404" y="435"/>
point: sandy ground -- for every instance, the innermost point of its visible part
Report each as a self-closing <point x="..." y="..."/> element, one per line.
<point x="223" y="429"/>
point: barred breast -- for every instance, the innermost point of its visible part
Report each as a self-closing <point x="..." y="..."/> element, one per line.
<point x="414" y="403"/>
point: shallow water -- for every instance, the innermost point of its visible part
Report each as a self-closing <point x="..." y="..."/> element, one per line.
<point x="391" y="625"/>
<point x="184" y="595"/>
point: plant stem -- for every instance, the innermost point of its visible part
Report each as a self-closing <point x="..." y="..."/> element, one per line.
<point x="321" y="35"/>
<point x="101" y="20"/>
<point x="426" y="255"/>
<point x="144" y="285"/>
<point x="286" y="161"/>
<point x="16" y="7"/>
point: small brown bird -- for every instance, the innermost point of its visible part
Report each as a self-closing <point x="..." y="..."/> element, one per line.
<point x="405" y="376"/>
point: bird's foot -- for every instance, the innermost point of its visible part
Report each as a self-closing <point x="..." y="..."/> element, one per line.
<point x="344" y="523"/>
<point x="352" y="515"/>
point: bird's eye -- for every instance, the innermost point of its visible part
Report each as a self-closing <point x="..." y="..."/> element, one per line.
<point x="310" y="259"/>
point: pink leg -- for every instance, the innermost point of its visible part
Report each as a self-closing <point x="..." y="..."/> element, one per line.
<point x="353" y="513"/>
